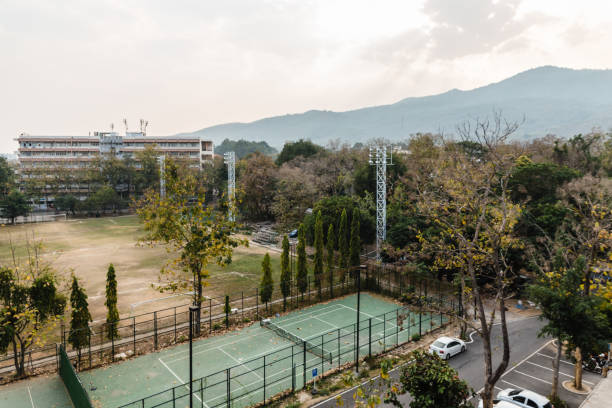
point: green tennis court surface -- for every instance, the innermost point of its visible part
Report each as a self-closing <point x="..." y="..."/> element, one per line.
<point x="248" y="366"/>
<point x="41" y="392"/>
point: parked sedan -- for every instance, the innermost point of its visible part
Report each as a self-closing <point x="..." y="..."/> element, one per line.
<point x="522" y="398"/>
<point x="446" y="347"/>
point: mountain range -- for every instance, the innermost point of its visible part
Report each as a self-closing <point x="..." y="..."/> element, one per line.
<point x="550" y="100"/>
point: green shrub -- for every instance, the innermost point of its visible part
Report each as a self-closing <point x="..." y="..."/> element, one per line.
<point x="364" y="373"/>
<point x="216" y="326"/>
<point x="416" y="337"/>
<point x="557" y="402"/>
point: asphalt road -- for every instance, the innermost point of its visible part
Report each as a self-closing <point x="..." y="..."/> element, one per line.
<point x="524" y="341"/>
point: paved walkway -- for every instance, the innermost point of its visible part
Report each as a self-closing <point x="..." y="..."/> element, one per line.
<point x="601" y="396"/>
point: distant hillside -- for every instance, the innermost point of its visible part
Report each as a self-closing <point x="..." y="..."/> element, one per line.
<point x="244" y="148"/>
<point x="553" y="100"/>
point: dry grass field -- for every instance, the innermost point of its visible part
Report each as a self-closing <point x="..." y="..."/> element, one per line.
<point x="87" y="246"/>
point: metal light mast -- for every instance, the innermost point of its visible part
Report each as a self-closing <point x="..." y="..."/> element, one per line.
<point x="379" y="158"/>
<point x="230" y="160"/>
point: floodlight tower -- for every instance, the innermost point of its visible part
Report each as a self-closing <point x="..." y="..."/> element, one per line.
<point x="230" y="160"/>
<point x="162" y="176"/>
<point x="379" y="158"/>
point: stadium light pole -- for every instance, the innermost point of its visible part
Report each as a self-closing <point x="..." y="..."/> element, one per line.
<point x="193" y="311"/>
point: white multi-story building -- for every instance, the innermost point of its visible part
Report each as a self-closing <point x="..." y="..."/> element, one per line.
<point x="76" y="151"/>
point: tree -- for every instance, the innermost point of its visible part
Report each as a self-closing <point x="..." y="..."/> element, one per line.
<point x="469" y="200"/>
<point x="355" y="249"/>
<point x="7" y="177"/>
<point x="266" y="287"/>
<point x="285" y="275"/>
<point x="257" y="184"/>
<point x="112" y="314"/>
<point x="343" y="243"/>
<point x="331" y="240"/>
<point x="13" y="205"/>
<point x="432" y="383"/>
<point x="318" y="256"/>
<point x="243" y="148"/>
<point x="67" y="202"/>
<point x="227" y="309"/>
<point x="291" y="150"/>
<point x="190" y="229"/>
<point x="30" y="303"/>
<point x="104" y="198"/>
<point x="302" y="268"/>
<point x="80" y="317"/>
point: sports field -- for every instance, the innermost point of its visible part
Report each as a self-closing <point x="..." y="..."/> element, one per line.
<point x="247" y="366"/>
<point x="87" y="246"/>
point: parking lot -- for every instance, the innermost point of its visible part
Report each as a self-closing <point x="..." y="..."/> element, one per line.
<point x="535" y="373"/>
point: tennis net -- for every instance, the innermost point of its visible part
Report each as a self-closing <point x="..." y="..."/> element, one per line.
<point x="310" y="347"/>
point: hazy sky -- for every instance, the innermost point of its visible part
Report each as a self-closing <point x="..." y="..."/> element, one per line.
<point x="70" y="67"/>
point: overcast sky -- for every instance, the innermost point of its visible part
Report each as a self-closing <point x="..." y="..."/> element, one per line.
<point x="70" y="67"/>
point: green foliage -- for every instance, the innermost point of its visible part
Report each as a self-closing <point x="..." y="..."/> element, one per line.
<point x="364" y="177"/>
<point x="257" y="178"/>
<point x="302" y="269"/>
<point x="343" y="240"/>
<point x="105" y="198"/>
<point x="415" y="337"/>
<point x="112" y="313"/>
<point x="243" y="148"/>
<point x="433" y="383"/>
<point x="539" y="182"/>
<point x="13" y="205"/>
<point x="557" y="402"/>
<point x="291" y="150"/>
<point x="30" y="304"/>
<point x="285" y="275"/>
<point x="79" y="318"/>
<point x="7" y="177"/>
<point x="266" y="287"/>
<point x="571" y="315"/>
<point x="318" y="257"/>
<point x="227" y="309"/>
<point x="67" y="202"/>
<point x="331" y="209"/>
<point x="331" y="241"/>
<point x="355" y="247"/>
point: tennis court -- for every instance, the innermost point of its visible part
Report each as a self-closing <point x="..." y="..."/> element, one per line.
<point x="245" y="366"/>
<point x="41" y="392"/>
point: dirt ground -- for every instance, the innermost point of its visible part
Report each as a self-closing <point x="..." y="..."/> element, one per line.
<point x="86" y="247"/>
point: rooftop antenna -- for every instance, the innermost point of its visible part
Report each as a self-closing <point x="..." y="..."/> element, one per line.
<point x="230" y="160"/>
<point x="112" y="126"/>
<point x="125" y="124"/>
<point x="379" y="158"/>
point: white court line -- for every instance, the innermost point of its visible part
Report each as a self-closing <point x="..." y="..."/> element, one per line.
<point x="31" y="400"/>
<point x="531" y="376"/>
<point x="182" y="382"/>
<point x="546" y="368"/>
<point x="563" y="361"/>
<point x="239" y="363"/>
<point x="309" y="314"/>
<point x="512" y="385"/>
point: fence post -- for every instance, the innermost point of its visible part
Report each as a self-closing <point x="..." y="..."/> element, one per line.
<point x="173" y="397"/>
<point x="256" y="303"/>
<point x="397" y="328"/>
<point x="420" y="316"/>
<point x="113" y="340"/>
<point x="308" y="280"/>
<point x="242" y="304"/>
<point x="57" y="358"/>
<point x="228" y="388"/>
<point x="384" y="331"/>
<point x="210" y="315"/>
<point x="322" y="359"/>
<point x="174" y="324"/>
<point x="89" y="344"/>
<point x="201" y="393"/>
<point x="292" y="377"/>
<point x="155" y="329"/>
<point x="370" y="337"/>
<point x="304" y="357"/>
<point x="264" y="378"/>
<point x="134" y="330"/>
<point x="339" y="348"/>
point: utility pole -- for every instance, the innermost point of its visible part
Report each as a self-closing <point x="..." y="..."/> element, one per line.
<point x="229" y="158"/>
<point x="379" y="158"/>
<point x="162" y="176"/>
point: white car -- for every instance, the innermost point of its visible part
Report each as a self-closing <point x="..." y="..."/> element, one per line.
<point x="446" y="347"/>
<point x="522" y="398"/>
<point x="499" y="404"/>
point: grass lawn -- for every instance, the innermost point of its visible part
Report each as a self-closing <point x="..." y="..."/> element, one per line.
<point x="86" y="247"/>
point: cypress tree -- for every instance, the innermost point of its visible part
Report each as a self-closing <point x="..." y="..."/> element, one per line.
<point x="302" y="269"/>
<point x="355" y="240"/>
<point x="266" y="287"/>
<point x="331" y="239"/>
<point x="343" y="242"/>
<point x="112" y="314"/>
<point x="227" y="309"/>
<point x="318" y="258"/>
<point x="79" y="319"/>
<point x="285" y="275"/>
